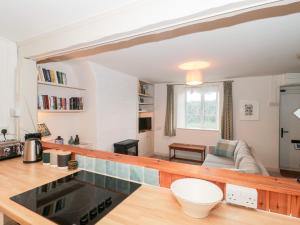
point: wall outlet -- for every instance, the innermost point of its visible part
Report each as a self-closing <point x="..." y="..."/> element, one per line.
<point x="15" y="112"/>
<point x="243" y="196"/>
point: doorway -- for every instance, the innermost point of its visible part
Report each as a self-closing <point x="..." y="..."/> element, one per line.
<point x="289" y="139"/>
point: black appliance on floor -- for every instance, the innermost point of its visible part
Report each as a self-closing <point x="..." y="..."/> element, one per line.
<point x="127" y="147"/>
<point x="82" y="198"/>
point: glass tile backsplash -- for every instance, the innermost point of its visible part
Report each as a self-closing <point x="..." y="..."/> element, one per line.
<point x="124" y="171"/>
<point x="89" y="163"/>
<point x="100" y="166"/>
<point x="137" y="173"/>
<point x="111" y="168"/>
<point x="151" y="176"/>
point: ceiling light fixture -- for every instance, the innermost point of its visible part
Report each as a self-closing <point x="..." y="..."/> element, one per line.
<point x="194" y="65"/>
<point x="194" y="77"/>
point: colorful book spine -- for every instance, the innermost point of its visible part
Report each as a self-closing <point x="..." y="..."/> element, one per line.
<point x="52" y="76"/>
<point x="40" y="74"/>
<point x="46" y="102"/>
<point x="46" y="75"/>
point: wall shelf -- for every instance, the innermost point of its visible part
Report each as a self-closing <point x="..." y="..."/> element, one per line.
<point x="60" y="111"/>
<point x="145" y="103"/>
<point x="145" y="95"/>
<point x="145" y="111"/>
<point x="143" y="114"/>
<point x="60" y="85"/>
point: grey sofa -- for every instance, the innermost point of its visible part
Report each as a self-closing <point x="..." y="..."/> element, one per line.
<point x="243" y="160"/>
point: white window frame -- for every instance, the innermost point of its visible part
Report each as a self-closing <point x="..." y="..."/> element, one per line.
<point x="220" y="106"/>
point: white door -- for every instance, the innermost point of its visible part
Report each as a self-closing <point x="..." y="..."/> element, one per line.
<point x="289" y="128"/>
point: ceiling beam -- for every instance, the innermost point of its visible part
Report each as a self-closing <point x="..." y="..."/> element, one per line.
<point x="229" y="20"/>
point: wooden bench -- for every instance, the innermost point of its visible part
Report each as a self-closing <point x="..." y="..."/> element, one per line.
<point x="187" y="148"/>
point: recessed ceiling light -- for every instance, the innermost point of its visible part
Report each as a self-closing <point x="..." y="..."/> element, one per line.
<point x="194" y="65"/>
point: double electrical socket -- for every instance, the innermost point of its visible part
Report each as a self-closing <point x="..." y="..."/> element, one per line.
<point x="243" y="196"/>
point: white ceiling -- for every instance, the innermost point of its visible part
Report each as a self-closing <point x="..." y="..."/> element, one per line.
<point x="24" y="19"/>
<point x="263" y="47"/>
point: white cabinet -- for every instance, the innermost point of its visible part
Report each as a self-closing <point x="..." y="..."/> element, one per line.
<point x="146" y="143"/>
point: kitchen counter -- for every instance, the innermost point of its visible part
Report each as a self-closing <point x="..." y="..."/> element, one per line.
<point x="148" y="205"/>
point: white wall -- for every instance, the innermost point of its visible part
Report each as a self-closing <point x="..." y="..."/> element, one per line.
<point x="26" y="96"/>
<point x="87" y="79"/>
<point x="8" y="63"/>
<point x="261" y="135"/>
<point x="116" y="106"/>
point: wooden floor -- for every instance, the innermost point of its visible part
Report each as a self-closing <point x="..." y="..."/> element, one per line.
<point x="291" y="174"/>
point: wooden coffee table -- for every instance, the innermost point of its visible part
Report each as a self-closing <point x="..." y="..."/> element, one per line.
<point x="187" y="148"/>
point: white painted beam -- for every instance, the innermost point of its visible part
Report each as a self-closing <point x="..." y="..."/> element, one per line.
<point x="136" y="20"/>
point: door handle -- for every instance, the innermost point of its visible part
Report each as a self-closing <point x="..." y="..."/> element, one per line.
<point x="282" y="131"/>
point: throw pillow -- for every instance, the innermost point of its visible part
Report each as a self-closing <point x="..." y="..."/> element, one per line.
<point x="225" y="148"/>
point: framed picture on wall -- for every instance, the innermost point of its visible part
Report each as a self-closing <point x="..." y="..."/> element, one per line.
<point x="249" y="110"/>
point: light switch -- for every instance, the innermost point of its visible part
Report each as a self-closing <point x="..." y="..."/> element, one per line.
<point x="239" y="195"/>
<point x="15" y="112"/>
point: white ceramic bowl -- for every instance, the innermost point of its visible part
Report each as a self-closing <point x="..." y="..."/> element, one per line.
<point x="196" y="197"/>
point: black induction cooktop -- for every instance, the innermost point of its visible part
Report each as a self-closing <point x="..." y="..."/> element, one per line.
<point x="82" y="198"/>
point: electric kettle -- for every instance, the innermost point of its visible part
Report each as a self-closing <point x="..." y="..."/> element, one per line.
<point x="32" y="148"/>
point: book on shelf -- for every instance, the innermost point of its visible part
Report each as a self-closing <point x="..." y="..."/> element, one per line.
<point x="57" y="77"/>
<point x="46" y="102"/>
<point x="76" y="103"/>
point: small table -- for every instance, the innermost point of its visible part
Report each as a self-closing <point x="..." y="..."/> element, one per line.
<point x="187" y="148"/>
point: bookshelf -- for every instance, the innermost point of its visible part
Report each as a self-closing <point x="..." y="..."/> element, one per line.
<point x="59" y="85"/>
<point x="61" y="111"/>
<point x="58" y="92"/>
<point x="145" y="103"/>
<point x="145" y="96"/>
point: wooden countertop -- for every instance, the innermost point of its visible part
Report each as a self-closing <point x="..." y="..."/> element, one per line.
<point x="148" y="205"/>
<point x="266" y="183"/>
<point x="157" y="206"/>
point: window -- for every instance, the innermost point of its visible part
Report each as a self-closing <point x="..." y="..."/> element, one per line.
<point x="198" y="107"/>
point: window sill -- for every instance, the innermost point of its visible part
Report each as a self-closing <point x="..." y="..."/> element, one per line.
<point x="199" y="129"/>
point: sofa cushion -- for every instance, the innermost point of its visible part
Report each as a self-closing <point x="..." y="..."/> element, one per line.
<point x="218" y="162"/>
<point x="217" y="165"/>
<point x="242" y="150"/>
<point x="248" y="165"/>
<point x="210" y="158"/>
<point x="225" y="148"/>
